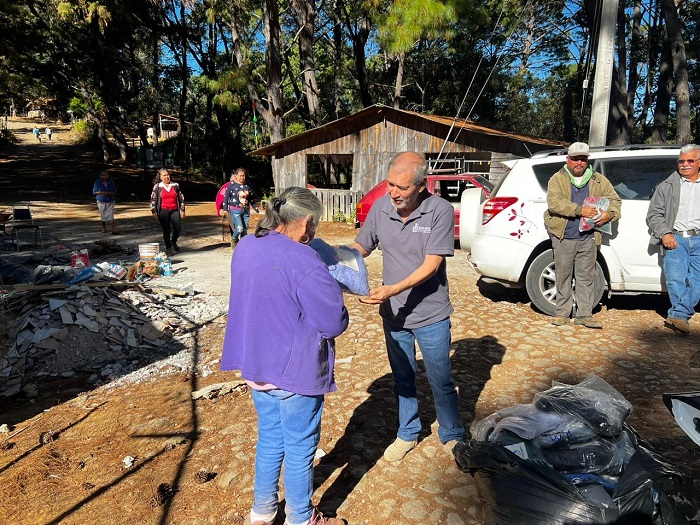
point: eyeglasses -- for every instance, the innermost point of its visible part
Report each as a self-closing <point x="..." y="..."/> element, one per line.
<point x="687" y="161"/>
<point x="578" y="159"/>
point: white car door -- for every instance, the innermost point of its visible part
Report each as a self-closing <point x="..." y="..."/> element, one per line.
<point x="634" y="264"/>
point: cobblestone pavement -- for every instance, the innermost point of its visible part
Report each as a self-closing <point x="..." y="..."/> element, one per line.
<point x="503" y="353"/>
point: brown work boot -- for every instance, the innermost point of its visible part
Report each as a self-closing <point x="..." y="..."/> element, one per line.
<point x="680" y="326"/>
<point x="559" y="320"/>
<point x="588" y="322"/>
<point x="398" y="449"/>
<point x="449" y="446"/>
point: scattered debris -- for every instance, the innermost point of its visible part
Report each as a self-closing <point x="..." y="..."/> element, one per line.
<point x="219" y="389"/>
<point x="48" y="437"/>
<point x="204" y="475"/>
<point x="96" y="329"/>
<point x="163" y="494"/>
<point x="128" y="462"/>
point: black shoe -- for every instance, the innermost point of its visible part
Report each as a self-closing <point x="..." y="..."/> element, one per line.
<point x="176" y="247"/>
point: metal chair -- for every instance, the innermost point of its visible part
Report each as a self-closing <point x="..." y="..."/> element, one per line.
<point x="21" y="221"/>
<point x="5" y="217"/>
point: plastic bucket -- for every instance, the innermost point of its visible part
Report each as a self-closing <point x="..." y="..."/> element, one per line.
<point x="148" y="251"/>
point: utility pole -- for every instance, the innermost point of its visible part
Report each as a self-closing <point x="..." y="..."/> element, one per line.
<point x="600" y="109"/>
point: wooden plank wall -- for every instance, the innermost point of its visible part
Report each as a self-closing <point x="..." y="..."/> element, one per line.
<point x="338" y="203"/>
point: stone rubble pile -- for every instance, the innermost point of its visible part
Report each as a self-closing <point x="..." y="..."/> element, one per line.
<point x="99" y="331"/>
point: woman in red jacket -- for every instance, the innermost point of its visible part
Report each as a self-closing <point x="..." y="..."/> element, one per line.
<point x="168" y="206"/>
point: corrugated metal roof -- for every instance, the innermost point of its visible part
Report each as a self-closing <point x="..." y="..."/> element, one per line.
<point x="378" y="112"/>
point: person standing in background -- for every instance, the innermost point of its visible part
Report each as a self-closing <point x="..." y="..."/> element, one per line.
<point x="105" y="190"/>
<point x="576" y="251"/>
<point x="674" y="221"/>
<point x="168" y="207"/>
<point x="48" y="132"/>
<point x="237" y="203"/>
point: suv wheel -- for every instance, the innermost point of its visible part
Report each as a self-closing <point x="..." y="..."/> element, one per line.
<point x="541" y="287"/>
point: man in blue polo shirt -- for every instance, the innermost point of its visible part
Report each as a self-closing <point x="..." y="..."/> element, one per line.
<point x="416" y="231"/>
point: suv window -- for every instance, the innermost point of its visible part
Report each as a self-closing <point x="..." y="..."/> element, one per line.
<point x="633" y="178"/>
<point x="636" y="178"/>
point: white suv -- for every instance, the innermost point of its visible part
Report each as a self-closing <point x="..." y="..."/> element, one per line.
<point x="509" y="243"/>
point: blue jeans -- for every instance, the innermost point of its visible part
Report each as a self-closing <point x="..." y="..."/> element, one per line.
<point x="434" y="341"/>
<point x="289" y="429"/>
<point x="682" y="271"/>
<point x="241" y="220"/>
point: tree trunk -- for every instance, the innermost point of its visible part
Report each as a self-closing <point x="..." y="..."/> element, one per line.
<point x="185" y="76"/>
<point x="274" y="114"/>
<point x="654" y="52"/>
<point x="119" y="138"/>
<point x="359" y="40"/>
<point x="306" y="16"/>
<point x="619" y="129"/>
<point x="663" y="96"/>
<point x="102" y="137"/>
<point x="680" y="72"/>
<point x="401" y="58"/>
<point x="155" y="82"/>
<point x="337" y="58"/>
<point x="635" y="53"/>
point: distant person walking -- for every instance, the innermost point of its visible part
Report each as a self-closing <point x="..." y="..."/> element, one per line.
<point x="105" y="191"/>
<point x="48" y="132"/>
<point x="168" y="207"/>
<point x="37" y="134"/>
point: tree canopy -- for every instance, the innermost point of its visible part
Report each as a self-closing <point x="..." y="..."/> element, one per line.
<point x="241" y="74"/>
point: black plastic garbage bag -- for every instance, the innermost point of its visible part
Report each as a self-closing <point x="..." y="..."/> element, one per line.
<point x="651" y="486"/>
<point x="519" y="492"/>
<point x="593" y="400"/>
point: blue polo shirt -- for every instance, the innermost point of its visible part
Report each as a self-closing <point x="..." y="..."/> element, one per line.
<point x="428" y="230"/>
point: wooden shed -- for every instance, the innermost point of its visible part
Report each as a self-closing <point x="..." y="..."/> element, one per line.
<point x="354" y="151"/>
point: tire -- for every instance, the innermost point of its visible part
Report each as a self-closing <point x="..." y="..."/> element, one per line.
<point x="540" y="283"/>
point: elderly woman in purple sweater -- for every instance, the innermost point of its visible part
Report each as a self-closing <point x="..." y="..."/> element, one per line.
<point x="287" y="359"/>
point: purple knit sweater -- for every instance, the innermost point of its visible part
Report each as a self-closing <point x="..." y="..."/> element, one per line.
<point x="285" y="310"/>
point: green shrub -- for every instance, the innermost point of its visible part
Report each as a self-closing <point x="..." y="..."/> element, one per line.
<point x="82" y="132"/>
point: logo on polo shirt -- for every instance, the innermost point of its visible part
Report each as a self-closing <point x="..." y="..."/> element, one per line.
<point x="420" y="229"/>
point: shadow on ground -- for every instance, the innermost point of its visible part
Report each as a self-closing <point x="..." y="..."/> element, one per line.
<point x="372" y="427"/>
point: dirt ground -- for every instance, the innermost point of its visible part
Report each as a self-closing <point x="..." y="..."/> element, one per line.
<point x="144" y="451"/>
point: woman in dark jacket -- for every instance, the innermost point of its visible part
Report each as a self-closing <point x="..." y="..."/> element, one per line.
<point x="168" y="206"/>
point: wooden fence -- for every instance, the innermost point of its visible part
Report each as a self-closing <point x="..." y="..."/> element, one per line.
<point x="338" y="205"/>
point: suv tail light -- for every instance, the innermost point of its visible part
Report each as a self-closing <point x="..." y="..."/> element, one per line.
<point x="494" y="206"/>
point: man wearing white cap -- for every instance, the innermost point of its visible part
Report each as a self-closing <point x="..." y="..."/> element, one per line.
<point x="575" y="251"/>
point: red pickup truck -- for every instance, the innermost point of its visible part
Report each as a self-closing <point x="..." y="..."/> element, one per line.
<point x="449" y="187"/>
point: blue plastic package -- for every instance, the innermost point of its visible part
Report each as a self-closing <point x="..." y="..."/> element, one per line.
<point x="345" y="264"/>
